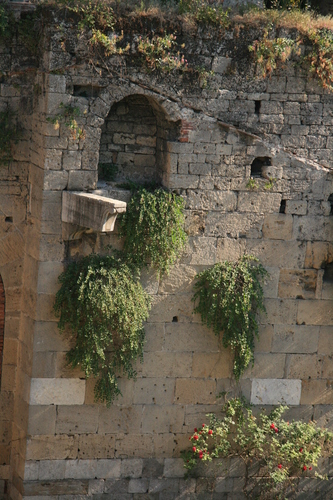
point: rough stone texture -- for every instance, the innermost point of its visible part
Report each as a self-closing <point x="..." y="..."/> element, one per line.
<point x="63" y="444"/>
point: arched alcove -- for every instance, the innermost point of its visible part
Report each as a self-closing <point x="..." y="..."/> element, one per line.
<point x="2" y="322"/>
<point x="134" y="141"/>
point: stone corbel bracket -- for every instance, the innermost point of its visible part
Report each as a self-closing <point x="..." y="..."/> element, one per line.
<point x="91" y="211"/>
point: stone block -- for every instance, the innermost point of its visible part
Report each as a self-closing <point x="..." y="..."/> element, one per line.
<point x="43" y="490"/>
<point x="119" y="419"/>
<point x="317" y="392"/>
<point x="296" y="207"/>
<point x="134" y="445"/>
<point x="261" y="203"/>
<point x="276" y="84"/>
<point x="313" y="228"/>
<point x="304" y="366"/>
<point x="154" y="337"/>
<point x="233" y="225"/>
<point x="221" y="64"/>
<point x="318" y="253"/>
<point x="81" y="180"/>
<point x="295" y="339"/>
<point x="225" y="201"/>
<point x="52" y="469"/>
<point x="55" y="180"/>
<point x="131" y="468"/>
<point x="152" y="467"/>
<point x="174" y="467"/>
<point x="298" y="284"/>
<point x="229" y="249"/>
<point x="282" y="254"/>
<point x="117" y="488"/>
<point x="57" y="84"/>
<point x="279" y="311"/>
<point x="166" y="485"/>
<point x="315" y="312"/>
<point x="163" y="419"/>
<point x="99" y="446"/>
<point x="278" y="227"/>
<point x="51" y="448"/>
<point x="30" y="471"/>
<point x="73" y="420"/>
<point x="195" y="391"/>
<point x="266" y="365"/>
<point x="190" y="337"/>
<point x="276" y="391"/>
<point x="47" y="337"/>
<point x="270" y="284"/>
<point x="41" y="420"/>
<point x="138" y="486"/>
<point x="264" y="342"/>
<point x="167" y="307"/>
<point x="48" y="391"/>
<point x="167" y="364"/>
<point x="71" y="160"/>
<point x="80" y="469"/>
<point x="53" y="159"/>
<point x="158" y="391"/>
<point x="200" y="251"/>
<point x="325" y="343"/>
<point x="107" y="469"/>
<point x="183" y="181"/>
<point x="213" y="365"/>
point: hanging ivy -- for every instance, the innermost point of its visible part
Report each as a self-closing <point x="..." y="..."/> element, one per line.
<point x="229" y="295"/>
<point x="103" y="305"/>
<point x="153" y="227"/>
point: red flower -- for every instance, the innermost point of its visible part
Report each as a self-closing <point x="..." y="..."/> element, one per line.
<point x="301" y="450"/>
<point x="272" y="426"/>
<point x="310" y="468"/>
<point x="200" y="454"/>
<point x="280" y="466"/>
<point x="276" y="430"/>
<point x="195" y="429"/>
<point x="210" y="432"/>
<point x="195" y="437"/>
<point x="203" y="425"/>
<point x="304" y="467"/>
<point x="194" y="449"/>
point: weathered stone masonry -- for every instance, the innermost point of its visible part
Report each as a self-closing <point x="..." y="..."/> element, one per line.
<point x="55" y="441"/>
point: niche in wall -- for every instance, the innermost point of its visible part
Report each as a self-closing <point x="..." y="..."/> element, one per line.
<point x="258" y="164"/>
<point x="134" y="141"/>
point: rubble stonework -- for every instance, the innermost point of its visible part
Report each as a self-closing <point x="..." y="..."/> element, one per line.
<point x="56" y="442"/>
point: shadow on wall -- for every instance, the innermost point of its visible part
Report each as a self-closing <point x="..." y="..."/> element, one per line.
<point x="134" y="142"/>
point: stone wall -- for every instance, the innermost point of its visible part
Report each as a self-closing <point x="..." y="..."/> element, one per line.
<point x="63" y="444"/>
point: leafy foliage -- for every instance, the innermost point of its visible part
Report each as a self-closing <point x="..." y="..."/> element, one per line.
<point x="321" y="56"/>
<point x="269" y="52"/>
<point x="68" y="116"/>
<point x="283" y="450"/>
<point x="104" y="307"/>
<point x="4" y="20"/>
<point x="229" y="295"/>
<point x="107" y="171"/>
<point x="153" y="227"/>
<point x="160" y="53"/>
<point x="206" y="12"/>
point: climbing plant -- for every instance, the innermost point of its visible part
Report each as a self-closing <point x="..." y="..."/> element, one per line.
<point x="228" y="296"/>
<point x="103" y="306"/>
<point x="153" y="227"/>
<point x="281" y="450"/>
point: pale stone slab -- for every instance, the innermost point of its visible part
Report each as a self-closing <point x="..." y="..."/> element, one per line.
<point x="59" y="391"/>
<point x="275" y="391"/>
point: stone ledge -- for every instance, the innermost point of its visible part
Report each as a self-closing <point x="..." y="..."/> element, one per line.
<point x="91" y="211"/>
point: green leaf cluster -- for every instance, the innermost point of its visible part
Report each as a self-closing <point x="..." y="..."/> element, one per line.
<point x="229" y="295"/>
<point x="282" y="450"/>
<point x="102" y="305"/>
<point x="153" y="227"/>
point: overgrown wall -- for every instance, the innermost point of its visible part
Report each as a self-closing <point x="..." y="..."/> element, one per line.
<point x="207" y="140"/>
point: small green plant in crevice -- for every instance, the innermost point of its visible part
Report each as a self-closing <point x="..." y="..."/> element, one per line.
<point x="270" y="184"/>
<point x="103" y="305"/>
<point x="228" y="297"/>
<point x="68" y="117"/>
<point x="160" y="53"/>
<point x="269" y="52"/>
<point x="8" y="136"/>
<point x="283" y="451"/>
<point x="153" y="227"/>
<point x="206" y="13"/>
<point x="252" y="184"/>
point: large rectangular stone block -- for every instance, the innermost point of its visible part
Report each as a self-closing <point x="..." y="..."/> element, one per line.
<point x="195" y="391"/>
<point x="295" y="339"/>
<point x="96" y="446"/>
<point x="283" y="254"/>
<point x="187" y="337"/>
<point x="73" y="420"/>
<point x="278" y="227"/>
<point x="131" y="445"/>
<point x="167" y="364"/>
<point x="162" y="419"/>
<point x="120" y="419"/>
<point x="233" y="225"/>
<point x="154" y="391"/>
<point x="266" y="365"/>
<point x="42" y="420"/>
<point x="317" y="392"/>
<point x="279" y="311"/>
<point x="223" y="201"/>
<point x="304" y="366"/>
<point x="80" y="469"/>
<point x="213" y="365"/>
<point x="300" y="284"/>
<point x="315" y="312"/>
<point x="261" y="203"/>
<point x="313" y="228"/>
<point x="60" y="391"/>
<point x="51" y="447"/>
<point x="276" y="391"/>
